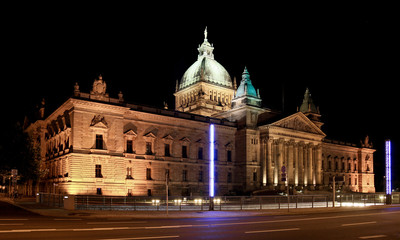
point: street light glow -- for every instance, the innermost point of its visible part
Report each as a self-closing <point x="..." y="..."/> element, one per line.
<point x="388" y="168"/>
<point x="211" y="174"/>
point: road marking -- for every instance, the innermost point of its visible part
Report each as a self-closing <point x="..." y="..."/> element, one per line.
<point x="136" y="238"/>
<point x="355" y="224"/>
<point x="28" y="230"/>
<point x="375" y="236"/>
<point x="115" y="222"/>
<point x="274" y="230"/>
<point x="67" y="219"/>
<point x="176" y="226"/>
<point x="14" y="219"/>
<point x="11" y="224"/>
<point x="98" y="229"/>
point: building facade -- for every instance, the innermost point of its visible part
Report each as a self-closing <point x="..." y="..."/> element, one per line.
<point x="96" y="144"/>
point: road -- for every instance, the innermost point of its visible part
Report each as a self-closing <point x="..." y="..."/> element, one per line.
<point x="16" y="223"/>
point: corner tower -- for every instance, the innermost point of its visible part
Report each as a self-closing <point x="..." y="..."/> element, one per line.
<point x="206" y="87"/>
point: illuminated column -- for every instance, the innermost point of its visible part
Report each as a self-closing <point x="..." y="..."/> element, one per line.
<point x="270" y="176"/>
<point x="310" y="164"/>
<point x="290" y="163"/>
<point x="264" y="161"/>
<point x="388" y="175"/>
<point x="319" y="164"/>
<point x="300" y="165"/>
<point x="280" y="159"/>
<point x="296" y="163"/>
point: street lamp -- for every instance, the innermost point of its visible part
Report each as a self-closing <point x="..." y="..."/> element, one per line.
<point x="211" y="172"/>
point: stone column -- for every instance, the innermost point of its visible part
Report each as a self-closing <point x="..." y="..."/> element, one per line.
<point x="296" y="163"/>
<point x="310" y="165"/>
<point x="280" y="159"/>
<point x="264" y="161"/>
<point x="319" y="165"/>
<point x="270" y="172"/>
<point x="301" y="163"/>
<point x="290" y="163"/>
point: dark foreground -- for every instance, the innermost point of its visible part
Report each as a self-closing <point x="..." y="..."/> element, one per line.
<point x="16" y="223"/>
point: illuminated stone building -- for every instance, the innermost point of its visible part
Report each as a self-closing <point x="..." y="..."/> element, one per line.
<point x="96" y="144"/>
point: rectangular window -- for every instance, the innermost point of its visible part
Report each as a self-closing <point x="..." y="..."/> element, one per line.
<point x="99" y="141"/>
<point x="149" y="192"/>
<point x="229" y="156"/>
<point x="355" y="181"/>
<point x="98" y="171"/>
<point x="349" y="180"/>
<point x="229" y="178"/>
<point x="215" y="154"/>
<point x="149" y="148"/>
<point x="200" y="176"/>
<point x="184" y="151"/>
<point x="98" y="191"/>
<point x="166" y="150"/>
<point x="129" y="173"/>
<point x="254" y="177"/>
<point x="355" y="167"/>
<point x="200" y="153"/>
<point x="148" y="174"/>
<point x="129" y="146"/>
<point x="184" y="175"/>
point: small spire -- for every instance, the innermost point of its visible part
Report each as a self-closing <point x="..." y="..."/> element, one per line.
<point x="234" y="83"/>
<point x="205" y="34"/>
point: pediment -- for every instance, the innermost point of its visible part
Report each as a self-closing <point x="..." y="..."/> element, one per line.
<point x="99" y="122"/>
<point x="168" y="137"/>
<point x="130" y="133"/>
<point x="185" y="139"/>
<point x="150" y="135"/>
<point x="298" y="122"/>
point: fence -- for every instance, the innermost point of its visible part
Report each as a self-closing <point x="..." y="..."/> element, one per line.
<point x="225" y="203"/>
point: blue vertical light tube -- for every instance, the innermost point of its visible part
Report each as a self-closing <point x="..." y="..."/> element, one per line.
<point x="211" y="150"/>
<point x="388" y="167"/>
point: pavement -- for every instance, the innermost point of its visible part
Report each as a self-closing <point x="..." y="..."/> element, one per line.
<point x="42" y="222"/>
<point x="30" y="204"/>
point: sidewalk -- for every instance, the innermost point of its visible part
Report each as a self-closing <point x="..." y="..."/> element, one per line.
<point x="30" y="205"/>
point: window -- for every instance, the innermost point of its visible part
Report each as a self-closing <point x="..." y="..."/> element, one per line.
<point x="349" y="180"/>
<point x="129" y="192"/>
<point x="149" y="148"/>
<point x="215" y="154"/>
<point x="166" y="150"/>
<point x="229" y="156"/>
<point x="129" y="173"/>
<point x="129" y="146"/>
<point x="99" y="141"/>
<point x="200" y="176"/>
<point x="184" y="175"/>
<point x="98" y="191"/>
<point x="200" y="153"/>
<point x="148" y="174"/>
<point x="355" y="167"/>
<point x="98" y="171"/>
<point x="355" y="181"/>
<point x="254" y="176"/>
<point x="149" y="192"/>
<point x="184" y="151"/>
<point x="229" y="178"/>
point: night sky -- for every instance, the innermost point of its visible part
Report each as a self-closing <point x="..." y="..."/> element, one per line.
<point x="346" y="56"/>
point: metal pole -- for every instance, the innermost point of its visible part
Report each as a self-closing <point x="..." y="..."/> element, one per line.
<point x="334" y="188"/>
<point x="166" y="187"/>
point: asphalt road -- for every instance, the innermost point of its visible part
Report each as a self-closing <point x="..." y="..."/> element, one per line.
<point x="16" y="223"/>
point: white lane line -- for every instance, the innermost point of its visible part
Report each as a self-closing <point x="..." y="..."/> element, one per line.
<point x="370" y="237"/>
<point x="176" y="226"/>
<point x="67" y="219"/>
<point x="28" y="230"/>
<point x="14" y="219"/>
<point x="216" y="220"/>
<point x="355" y="224"/>
<point x="136" y="238"/>
<point x="116" y="222"/>
<point x="274" y="230"/>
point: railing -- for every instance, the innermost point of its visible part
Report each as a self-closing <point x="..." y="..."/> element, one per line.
<point x="224" y="203"/>
<point x="50" y="199"/>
